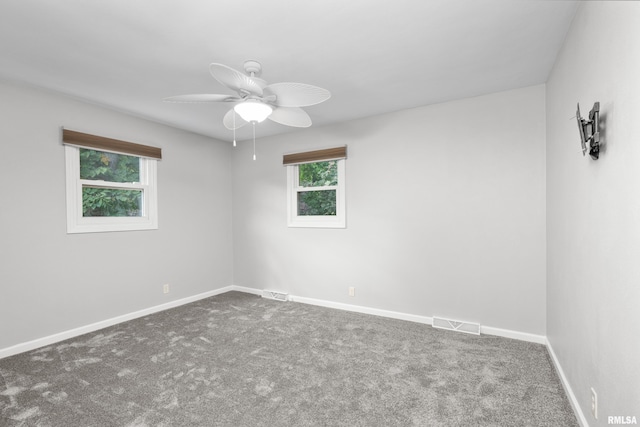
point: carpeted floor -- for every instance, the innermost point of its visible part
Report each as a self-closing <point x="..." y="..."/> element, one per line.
<point x="239" y="360"/>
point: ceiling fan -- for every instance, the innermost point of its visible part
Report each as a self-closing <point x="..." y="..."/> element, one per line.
<point x="255" y="100"/>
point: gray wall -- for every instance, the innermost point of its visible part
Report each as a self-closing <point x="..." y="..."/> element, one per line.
<point x="593" y="219"/>
<point x="445" y="214"/>
<point x="52" y="282"/>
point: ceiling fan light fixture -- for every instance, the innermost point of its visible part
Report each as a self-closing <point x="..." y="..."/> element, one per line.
<point x="256" y="100"/>
<point x="253" y="111"/>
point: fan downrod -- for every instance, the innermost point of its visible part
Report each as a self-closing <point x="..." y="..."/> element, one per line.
<point x="252" y="68"/>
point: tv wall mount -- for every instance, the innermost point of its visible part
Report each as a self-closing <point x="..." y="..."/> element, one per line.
<point x="590" y="131"/>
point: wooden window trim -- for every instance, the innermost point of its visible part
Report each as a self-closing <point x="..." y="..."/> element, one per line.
<point x="335" y="153"/>
<point x="85" y="140"/>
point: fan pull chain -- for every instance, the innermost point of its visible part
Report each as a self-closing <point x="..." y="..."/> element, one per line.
<point x="254" y="140"/>
<point x="234" y="127"/>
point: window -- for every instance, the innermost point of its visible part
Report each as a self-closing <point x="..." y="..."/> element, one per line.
<point x="316" y="188"/>
<point x="111" y="185"/>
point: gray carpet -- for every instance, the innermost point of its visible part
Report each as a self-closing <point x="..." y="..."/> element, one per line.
<point x="240" y="360"/>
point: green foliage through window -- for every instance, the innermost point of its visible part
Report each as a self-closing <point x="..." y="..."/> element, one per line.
<point x="111" y="202"/>
<point x="318" y="174"/>
<point x="110" y="167"/>
<point x="317" y="202"/>
<point x="99" y="165"/>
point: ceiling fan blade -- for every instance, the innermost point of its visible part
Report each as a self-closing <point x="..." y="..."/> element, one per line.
<point x="228" y="120"/>
<point x="297" y="94"/>
<point x="291" y="116"/>
<point x="203" y="97"/>
<point x="234" y="79"/>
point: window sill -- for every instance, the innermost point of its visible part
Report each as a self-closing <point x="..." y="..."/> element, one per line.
<point x="311" y="222"/>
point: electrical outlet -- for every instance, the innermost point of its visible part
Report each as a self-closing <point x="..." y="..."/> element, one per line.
<point x="594" y="403"/>
<point x="165" y="288"/>
<point x="352" y="292"/>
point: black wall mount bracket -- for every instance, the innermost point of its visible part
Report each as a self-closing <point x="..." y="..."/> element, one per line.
<point x="590" y="131"/>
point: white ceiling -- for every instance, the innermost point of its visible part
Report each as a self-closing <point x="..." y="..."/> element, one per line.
<point x="374" y="56"/>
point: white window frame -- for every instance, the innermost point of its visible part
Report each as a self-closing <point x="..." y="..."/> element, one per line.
<point x="76" y="223"/>
<point x="316" y="221"/>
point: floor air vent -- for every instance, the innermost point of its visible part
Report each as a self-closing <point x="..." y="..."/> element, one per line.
<point x="456" y="325"/>
<point x="278" y="296"/>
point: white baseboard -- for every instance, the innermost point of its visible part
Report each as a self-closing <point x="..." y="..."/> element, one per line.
<point x="516" y="335"/>
<point x="362" y="309"/>
<point x="577" y="410"/>
<point x="41" y="342"/>
<point x="61" y="336"/>
<point x="522" y="336"/>
<point x="246" y="290"/>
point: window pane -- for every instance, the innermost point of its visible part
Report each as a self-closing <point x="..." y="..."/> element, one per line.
<point x="99" y="165"/>
<point x="319" y="174"/>
<point x="317" y="202"/>
<point x="111" y="202"/>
